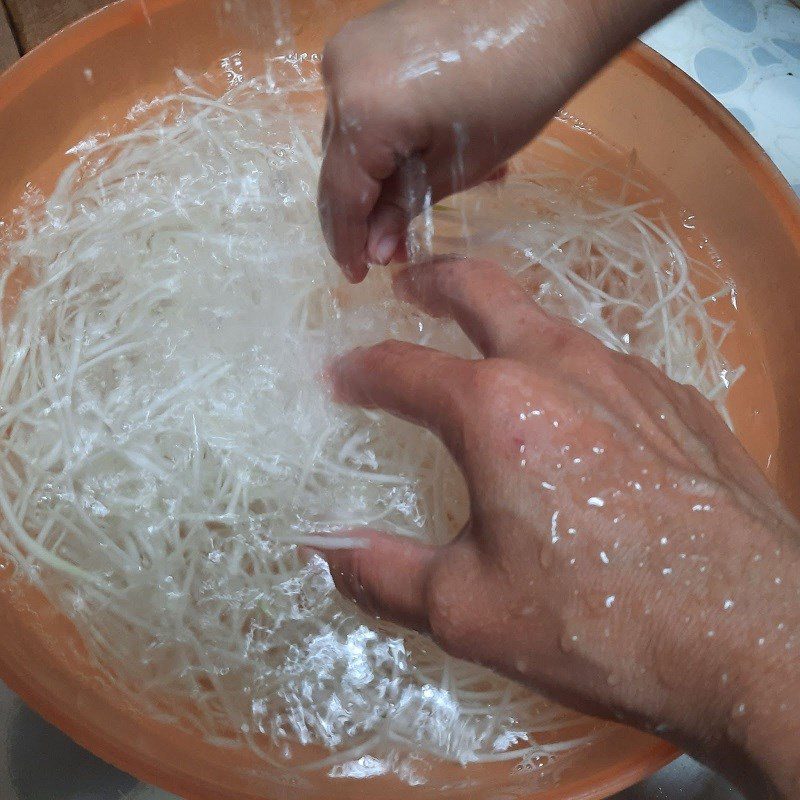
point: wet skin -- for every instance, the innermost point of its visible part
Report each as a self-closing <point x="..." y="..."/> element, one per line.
<point x="624" y="555"/>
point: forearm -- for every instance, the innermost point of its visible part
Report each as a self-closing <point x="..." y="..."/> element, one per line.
<point x="724" y="660"/>
<point x="437" y="94"/>
<point x="523" y="59"/>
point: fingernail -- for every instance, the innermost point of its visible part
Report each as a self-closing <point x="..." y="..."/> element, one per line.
<point x="386" y="247"/>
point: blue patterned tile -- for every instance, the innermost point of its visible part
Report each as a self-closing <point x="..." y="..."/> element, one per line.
<point x="763" y="57"/>
<point x="766" y="99"/>
<point x="719" y="71"/>
<point x="739" y="14"/>
<point x="778" y="99"/>
<point x="743" y="117"/>
<point x="790" y="47"/>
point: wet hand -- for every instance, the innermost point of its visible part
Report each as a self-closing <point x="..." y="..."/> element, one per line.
<point x="623" y="553"/>
<point x="426" y="98"/>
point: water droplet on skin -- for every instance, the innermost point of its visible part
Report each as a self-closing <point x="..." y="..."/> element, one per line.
<point x="739" y="710"/>
<point x="666" y="571"/>
<point x="724" y="678"/>
<point x="572" y="531"/>
<point x="710" y="634"/>
<point x="598" y="450"/>
<point x="603" y="557"/>
<point x="573" y="562"/>
<point x="761" y="641"/>
<point x="596" y="501"/>
<point x="554" y="537"/>
<point x="568" y="640"/>
<point x="610" y="600"/>
<point x="548" y="486"/>
<point x="663" y="540"/>
<point x="728" y="604"/>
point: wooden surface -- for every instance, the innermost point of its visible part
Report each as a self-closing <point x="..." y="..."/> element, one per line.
<point x="32" y="21"/>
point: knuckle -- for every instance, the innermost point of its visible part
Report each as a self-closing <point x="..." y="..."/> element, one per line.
<point x="351" y="578"/>
<point x="389" y="350"/>
<point x="577" y="345"/>
<point x="449" y="618"/>
<point x="579" y="354"/>
<point x="383" y="357"/>
<point x="497" y="383"/>
<point x="334" y="55"/>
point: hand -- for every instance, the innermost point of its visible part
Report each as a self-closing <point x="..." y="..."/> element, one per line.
<point x="623" y="554"/>
<point x="428" y="97"/>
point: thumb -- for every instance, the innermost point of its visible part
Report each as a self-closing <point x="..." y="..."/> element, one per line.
<point x="387" y="578"/>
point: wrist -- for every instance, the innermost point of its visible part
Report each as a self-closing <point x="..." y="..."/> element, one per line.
<point x="733" y="696"/>
<point x="618" y="22"/>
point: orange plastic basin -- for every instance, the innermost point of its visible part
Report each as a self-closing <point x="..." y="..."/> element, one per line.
<point x="90" y="74"/>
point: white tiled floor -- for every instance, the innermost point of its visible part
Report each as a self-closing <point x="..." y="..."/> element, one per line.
<point x="747" y="54"/>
